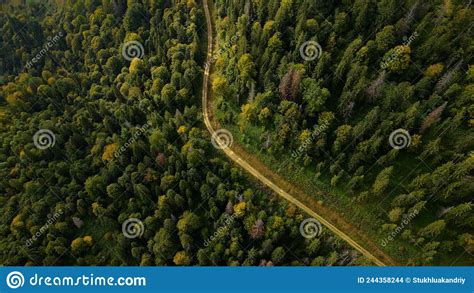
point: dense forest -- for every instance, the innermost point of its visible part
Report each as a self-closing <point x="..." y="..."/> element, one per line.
<point x="104" y="158"/>
<point x="371" y="105"/>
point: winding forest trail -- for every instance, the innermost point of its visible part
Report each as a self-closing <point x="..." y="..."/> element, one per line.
<point x="324" y="215"/>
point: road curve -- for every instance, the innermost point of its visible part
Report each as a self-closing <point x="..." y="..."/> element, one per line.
<point x="247" y="167"/>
